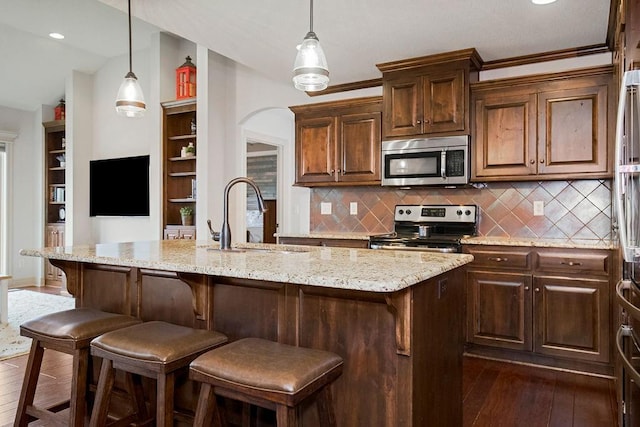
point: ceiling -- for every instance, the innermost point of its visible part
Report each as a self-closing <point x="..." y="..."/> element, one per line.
<point x="262" y="34"/>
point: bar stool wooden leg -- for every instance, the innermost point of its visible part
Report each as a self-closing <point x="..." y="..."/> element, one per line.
<point x="325" y="408"/>
<point x="286" y="416"/>
<point x="105" y="385"/>
<point x="164" y="399"/>
<point x="207" y="407"/>
<point x="79" y="389"/>
<point x="29" y="385"/>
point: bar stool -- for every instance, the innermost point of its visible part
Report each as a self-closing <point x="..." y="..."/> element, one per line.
<point x="267" y="374"/>
<point x="69" y="332"/>
<point x="156" y="350"/>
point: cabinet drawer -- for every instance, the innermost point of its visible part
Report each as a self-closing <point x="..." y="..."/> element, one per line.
<point x="570" y="262"/>
<point x="499" y="257"/>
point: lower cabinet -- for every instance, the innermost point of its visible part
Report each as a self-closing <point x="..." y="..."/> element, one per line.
<point x="541" y="302"/>
<point x="53" y="276"/>
<point x="173" y="232"/>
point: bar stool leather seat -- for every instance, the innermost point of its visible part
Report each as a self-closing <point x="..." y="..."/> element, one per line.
<point x="152" y="349"/>
<point x="70" y="332"/>
<point x="268" y="374"/>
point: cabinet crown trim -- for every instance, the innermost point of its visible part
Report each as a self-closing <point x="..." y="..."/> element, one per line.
<point x="543" y="78"/>
<point x="470" y="55"/>
<point x="345" y="103"/>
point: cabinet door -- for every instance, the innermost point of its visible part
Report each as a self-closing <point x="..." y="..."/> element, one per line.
<point x="499" y="309"/>
<point x="572" y="318"/>
<point x="188" y="233"/>
<point x="572" y="127"/>
<point x="316" y="150"/>
<point x="54" y="237"/>
<point x="359" y="147"/>
<point x="505" y="134"/>
<point x="444" y="102"/>
<point x="402" y="108"/>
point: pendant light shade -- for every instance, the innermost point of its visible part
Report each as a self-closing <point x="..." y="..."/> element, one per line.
<point x="310" y="70"/>
<point x="130" y="100"/>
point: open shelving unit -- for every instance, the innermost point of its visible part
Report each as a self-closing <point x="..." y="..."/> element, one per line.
<point x="179" y="172"/>
<point x="55" y="194"/>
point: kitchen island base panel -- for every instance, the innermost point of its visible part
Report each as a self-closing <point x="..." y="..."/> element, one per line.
<point x="402" y="350"/>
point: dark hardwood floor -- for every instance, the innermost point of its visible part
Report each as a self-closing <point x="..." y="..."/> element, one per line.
<point x="507" y="394"/>
<point x="496" y="394"/>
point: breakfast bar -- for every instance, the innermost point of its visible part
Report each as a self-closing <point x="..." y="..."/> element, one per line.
<point x="395" y="317"/>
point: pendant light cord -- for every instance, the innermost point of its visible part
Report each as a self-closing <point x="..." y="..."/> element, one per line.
<point x="130" y="61"/>
<point x="310" y="17"/>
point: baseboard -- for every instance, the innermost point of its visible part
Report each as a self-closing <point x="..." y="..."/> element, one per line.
<point x="23" y="283"/>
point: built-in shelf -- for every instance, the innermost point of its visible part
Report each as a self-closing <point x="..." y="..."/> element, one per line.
<point x="181" y="137"/>
<point x="179" y="172"/>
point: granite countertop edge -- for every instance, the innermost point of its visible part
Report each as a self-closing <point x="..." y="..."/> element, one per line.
<point x="541" y="243"/>
<point x="340" y="268"/>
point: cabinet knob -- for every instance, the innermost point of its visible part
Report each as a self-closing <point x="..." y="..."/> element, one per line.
<point x="333" y="171"/>
<point x="419" y="121"/>
<point x="526" y="288"/>
<point x="537" y="289"/>
<point x="571" y="263"/>
<point x="541" y="160"/>
<point x="427" y="121"/>
<point x="498" y="259"/>
<point x="532" y="161"/>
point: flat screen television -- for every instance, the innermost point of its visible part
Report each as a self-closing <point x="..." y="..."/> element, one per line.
<point x="119" y="187"/>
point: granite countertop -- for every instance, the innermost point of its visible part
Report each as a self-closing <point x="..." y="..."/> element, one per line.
<point x="342" y="268"/>
<point x="540" y="243"/>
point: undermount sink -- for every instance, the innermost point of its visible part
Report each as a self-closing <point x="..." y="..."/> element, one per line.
<point x="260" y="250"/>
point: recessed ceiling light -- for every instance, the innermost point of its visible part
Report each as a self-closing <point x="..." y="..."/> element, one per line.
<point x="56" y="36"/>
<point x="542" y="1"/>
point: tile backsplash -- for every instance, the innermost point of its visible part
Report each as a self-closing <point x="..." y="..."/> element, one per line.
<point x="572" y="209"/>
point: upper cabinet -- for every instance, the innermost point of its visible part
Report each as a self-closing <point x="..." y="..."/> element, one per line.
<point x="338" y="143"/>
<point x="428" y="96"/>
<point x="179" y="164"/>
<point x="544" y="127"/>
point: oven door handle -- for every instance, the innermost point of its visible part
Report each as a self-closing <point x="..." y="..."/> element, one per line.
<point x="631" y="309"/>
<point x="623" y="331"/>
<point x="443" y="164"/>
<point x="413" y="248"/>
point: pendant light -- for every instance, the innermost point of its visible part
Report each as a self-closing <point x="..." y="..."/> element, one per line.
<point x="130" y="100"/>
<point x="310" y="71"/>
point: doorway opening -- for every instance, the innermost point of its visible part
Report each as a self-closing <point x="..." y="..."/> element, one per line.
<point x="3" y="208"/>
<point x="263" y="164"/>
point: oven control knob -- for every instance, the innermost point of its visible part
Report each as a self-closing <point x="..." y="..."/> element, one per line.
<point x="408" y="211"/>
<point x="400" y="211"/>
<point x="467" y="212"/>
<point x="459" y="212"/>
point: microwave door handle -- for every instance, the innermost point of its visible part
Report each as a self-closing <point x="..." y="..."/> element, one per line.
<point x="443" y="164"/>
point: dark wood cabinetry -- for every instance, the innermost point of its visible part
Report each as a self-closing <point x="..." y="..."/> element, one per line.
<point x="428" y="95"/>
<point x="544" y="127"/>
<point x="179" y="165"/>
<point x="55" y="194"/>
<point x="338" y="143"/>
<point x="547" y="302"/>
<point x="54" y="236"/>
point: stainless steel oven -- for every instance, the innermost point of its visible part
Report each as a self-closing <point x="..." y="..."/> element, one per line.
<point x="433" y="161"/>
<point x="429" y="228"/>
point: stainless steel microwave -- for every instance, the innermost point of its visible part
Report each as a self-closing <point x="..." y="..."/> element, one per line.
<point x="428" y="161"/>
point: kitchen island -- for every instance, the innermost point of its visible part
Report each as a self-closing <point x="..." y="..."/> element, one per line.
<point x="395" y="317"/>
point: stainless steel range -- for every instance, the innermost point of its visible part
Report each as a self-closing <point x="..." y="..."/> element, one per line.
<point x="435" y="228"/>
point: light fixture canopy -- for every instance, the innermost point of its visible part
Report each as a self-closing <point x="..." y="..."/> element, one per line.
<point x="130" y="100"/>
<point x="310" y="70"/>
<point x="542" y="1"/>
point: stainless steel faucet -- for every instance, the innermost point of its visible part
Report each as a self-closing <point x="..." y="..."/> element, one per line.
<point x="225" y="234"/>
